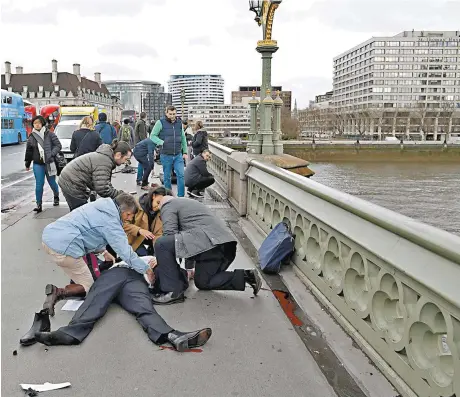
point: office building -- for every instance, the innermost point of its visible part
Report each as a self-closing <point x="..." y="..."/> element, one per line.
<point x="140" y="96"/>
<point x="407" y="85"/>
<point x="244" y="94"/>
<point x="61" y="88"/>
<point x="196" y="89"/>
<point x="222" y="120"/>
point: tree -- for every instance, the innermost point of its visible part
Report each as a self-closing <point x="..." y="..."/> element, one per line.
<point x="290" y="127"/>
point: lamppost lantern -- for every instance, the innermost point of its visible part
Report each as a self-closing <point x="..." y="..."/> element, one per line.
<point x="256" y="7"/>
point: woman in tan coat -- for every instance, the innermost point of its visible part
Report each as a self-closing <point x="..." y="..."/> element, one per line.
<point x="147" y="225"/>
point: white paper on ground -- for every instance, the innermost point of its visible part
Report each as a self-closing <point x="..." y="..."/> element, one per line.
<point x="46" y="386"/>
<point x="72" y="305"/>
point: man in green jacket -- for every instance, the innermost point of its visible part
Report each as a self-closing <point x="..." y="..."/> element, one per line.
<point x="169" y="135"/>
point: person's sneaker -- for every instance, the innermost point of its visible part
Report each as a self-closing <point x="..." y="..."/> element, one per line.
<point x="139" y="183"/>
<point x="195" y="194"/>
<point x="252" y="278"/>
<point x="145" y="187"/>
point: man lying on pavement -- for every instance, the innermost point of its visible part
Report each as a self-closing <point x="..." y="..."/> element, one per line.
<point x="192" y="231"/>
<point x="129" y="289"/>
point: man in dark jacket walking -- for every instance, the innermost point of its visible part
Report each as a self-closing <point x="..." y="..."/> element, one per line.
<point x="192" y="231"/>
<point x="169" y="134"/>
<point x="140" y="129"/>
<point x="106" y="131"/>
<point x="144" y="153"/>
<point x="197" y="176"/>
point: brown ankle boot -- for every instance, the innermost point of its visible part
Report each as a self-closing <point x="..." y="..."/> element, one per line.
<point x="55" y="294"/>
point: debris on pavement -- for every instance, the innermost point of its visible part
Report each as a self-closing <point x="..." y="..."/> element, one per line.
<point x="72" y="305"/>
<point x="31" y="392"/>
<point x="15" y="352"/>
<point x="43" y="387"/>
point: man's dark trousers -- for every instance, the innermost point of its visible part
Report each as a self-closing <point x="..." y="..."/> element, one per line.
<point x="127" y="288"/>
<point x="203" y="183"/>
<point x="210" y="268"/>
<point x="147" y="169"/>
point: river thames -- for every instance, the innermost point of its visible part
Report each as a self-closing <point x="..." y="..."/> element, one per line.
<point x="427" y="192"/>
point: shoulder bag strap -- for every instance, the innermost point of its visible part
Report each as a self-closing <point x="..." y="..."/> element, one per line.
<point x="39" y="140"/>
<point x="78" y="147"/>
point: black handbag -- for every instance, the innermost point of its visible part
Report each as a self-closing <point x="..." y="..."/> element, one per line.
<point x="60" y="162"/>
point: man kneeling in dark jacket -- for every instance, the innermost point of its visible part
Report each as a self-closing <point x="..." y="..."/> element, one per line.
<point x="197" y="177"/>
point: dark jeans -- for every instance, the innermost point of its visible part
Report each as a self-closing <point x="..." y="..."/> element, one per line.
<point x="73" y="202"/>
<point x="147" y="168"/>
<point x="203" y="183"/>
<point x="210" y="268"/>
<point x="127" y="288"/>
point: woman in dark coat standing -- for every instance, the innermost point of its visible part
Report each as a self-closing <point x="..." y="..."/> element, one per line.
<point x="42" y="148"/>
<point x="86" y="139"/>
<point x="200" y="139"/>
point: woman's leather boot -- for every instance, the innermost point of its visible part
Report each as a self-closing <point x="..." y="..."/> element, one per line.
<point x="55" y="294"/>
<point x="41" y="324"/>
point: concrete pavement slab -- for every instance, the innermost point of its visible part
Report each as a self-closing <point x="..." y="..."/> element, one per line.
<point x="254" y="350"/>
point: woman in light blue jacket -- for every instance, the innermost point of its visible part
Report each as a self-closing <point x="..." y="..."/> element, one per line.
<point x="89" y="229"/>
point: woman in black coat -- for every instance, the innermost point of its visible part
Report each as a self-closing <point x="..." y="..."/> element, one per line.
<point x="86" y="139"/>
<point x="42" y="148"/>
<point x="200" y="139"/>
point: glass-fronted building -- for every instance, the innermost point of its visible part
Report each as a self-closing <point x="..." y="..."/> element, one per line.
<point x="140" y="96"/>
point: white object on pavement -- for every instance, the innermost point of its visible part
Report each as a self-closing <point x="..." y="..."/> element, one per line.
<point x="45" y="386"/>
<point x="72" y="305"/>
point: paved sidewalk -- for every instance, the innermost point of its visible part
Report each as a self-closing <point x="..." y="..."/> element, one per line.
<point x="253" y="350"/>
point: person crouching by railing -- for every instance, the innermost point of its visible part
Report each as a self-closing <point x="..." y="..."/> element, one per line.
<point x="197" y="177"/>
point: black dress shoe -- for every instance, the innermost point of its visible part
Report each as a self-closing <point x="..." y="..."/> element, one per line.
<point x="167" y="299"/>
<point x="182" y="341"/>
<point x="55" y="338"/>
<point x="41" y="324"/>
<point x="253" y="279"/>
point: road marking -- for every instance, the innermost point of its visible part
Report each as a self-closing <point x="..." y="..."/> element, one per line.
<point x="15" y="182"/>
<point x="12" y="154"/>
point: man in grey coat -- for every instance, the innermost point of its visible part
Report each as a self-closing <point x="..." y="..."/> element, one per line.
<point x="192" y="231"/>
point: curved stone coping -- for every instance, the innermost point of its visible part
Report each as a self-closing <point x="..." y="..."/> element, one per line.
<point x="220" y="148"/>
<point x="436" y="240"/>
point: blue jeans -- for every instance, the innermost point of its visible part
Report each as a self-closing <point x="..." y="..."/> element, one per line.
<point x="40" y="172"/>
<point x="168" y="161"/>
<point x="140" y="172"/>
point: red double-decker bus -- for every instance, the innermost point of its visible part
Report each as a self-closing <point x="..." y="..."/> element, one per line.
<point x="30" y="111"/>
<point x="52" y="115"/>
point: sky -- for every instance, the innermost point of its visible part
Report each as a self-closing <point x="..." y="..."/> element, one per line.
<point x="153" y="39"/>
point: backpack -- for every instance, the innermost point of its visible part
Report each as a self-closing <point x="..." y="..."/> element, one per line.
<point x="125" y="134"/>
<point x="277" y="249"/>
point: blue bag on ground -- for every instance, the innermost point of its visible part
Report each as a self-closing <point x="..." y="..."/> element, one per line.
<point x="276" y="249"/>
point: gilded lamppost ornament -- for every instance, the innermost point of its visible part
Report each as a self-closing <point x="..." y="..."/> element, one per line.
<point x="265" y="12"/>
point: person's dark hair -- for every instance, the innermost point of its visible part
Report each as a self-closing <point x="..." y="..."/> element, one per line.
<point x="126" y="121"/>
<point x="152" y="122"/>
<point x="205" y="151"/>
<point x="170" y="108"/>
<point x="120" y="147"/>
<point x="126" y="202"/>
<point x="41" y="119"/>
<point x="153" y="192"/>
<point x="143" y="115"/>
<point x="185" y="122"/>
<point x="102" y="117"/>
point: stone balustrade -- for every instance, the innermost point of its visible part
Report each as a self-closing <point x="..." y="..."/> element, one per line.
<point x="390" y="281"/>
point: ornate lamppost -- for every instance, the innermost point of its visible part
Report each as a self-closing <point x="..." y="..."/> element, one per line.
<point x="182" y="100"/>
<point x="264" y="140"/>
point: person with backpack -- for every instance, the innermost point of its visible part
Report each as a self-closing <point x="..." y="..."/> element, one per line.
<point x="105" y="130"/>
<point x="86" y="139"/>
<point x="126" y="133"/>
<point x="140" y="129"/>
<point x="169" y="134"/>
